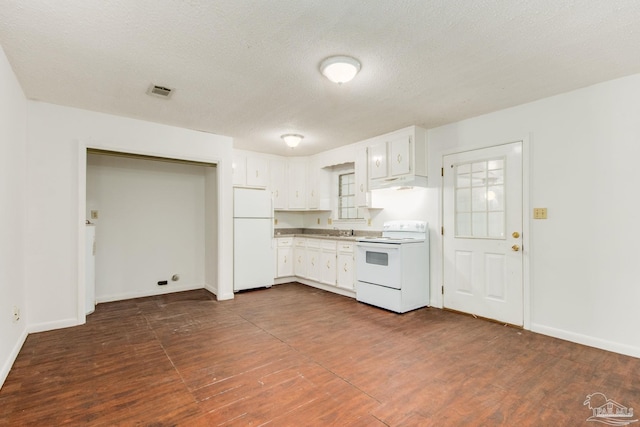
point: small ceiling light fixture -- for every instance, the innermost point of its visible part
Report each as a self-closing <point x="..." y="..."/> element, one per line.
<point x="340" y="69"/>
<point x="292" y="139"/>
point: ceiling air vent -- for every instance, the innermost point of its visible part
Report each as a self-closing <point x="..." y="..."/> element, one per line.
<point x="159" y="91"/>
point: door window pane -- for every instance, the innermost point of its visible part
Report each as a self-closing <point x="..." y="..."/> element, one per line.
<point x="480" y="199"/>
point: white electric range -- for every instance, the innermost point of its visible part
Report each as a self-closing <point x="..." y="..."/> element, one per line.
<point x="393" y="270"/>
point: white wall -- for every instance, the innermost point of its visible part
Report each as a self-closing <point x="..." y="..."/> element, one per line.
<point x="584" y="149"/>
<point x="394" y="204"/>
<point x="13" y="110"/>
<point x="56" y="139"/>
<point x="150" y="225"/>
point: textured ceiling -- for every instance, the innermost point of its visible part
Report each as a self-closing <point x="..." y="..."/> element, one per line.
<point x="249" y="69"/>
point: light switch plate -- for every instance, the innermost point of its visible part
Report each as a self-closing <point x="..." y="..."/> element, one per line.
<point x="539" y="213"/>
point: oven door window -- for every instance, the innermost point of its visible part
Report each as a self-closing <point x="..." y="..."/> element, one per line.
<point x="377" y="258"/>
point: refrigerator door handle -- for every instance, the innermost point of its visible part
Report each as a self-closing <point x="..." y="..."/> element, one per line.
<point x="273" y="232"/>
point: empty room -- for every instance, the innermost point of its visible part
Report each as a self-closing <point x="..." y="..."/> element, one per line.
<point x="398" y="213"/>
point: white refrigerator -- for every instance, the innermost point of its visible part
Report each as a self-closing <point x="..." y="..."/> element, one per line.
<point x="253" y="260"/>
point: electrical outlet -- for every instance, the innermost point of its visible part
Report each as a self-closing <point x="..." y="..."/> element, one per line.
<point x="369" y="222"/>
<point x="318" y="221"/>
<point x="329" y="221"/>
<point x="275" y="221"/>
<point x="94" y="214"/>
<point x="539" y="213"/>
<point x="16" y="313"/>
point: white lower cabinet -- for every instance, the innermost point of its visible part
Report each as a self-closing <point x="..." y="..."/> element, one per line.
<point x="328" y="262"/>
<point x="313" y="259"/>
<point x="285" y="266"/>
<point x="345" y="267"/>
<point x="325" y="261"/>
<point x="300" y="257"/>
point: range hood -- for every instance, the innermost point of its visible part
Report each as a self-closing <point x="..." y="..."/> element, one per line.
<point x="400" y="181"/>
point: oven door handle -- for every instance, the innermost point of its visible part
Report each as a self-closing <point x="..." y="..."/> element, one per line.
<point x="378" y="246"/>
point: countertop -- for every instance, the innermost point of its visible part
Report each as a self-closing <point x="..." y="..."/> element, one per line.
<point x="326" y="234"/>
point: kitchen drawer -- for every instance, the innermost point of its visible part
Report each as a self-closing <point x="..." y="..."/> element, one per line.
<point x="345" y="247"/>
<point x="314" y="243"/>
<point x="328" y="245"/>
<point x="284" y="242"/>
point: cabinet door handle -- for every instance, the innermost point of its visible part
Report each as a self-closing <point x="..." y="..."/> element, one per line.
<point x="345" y="267"/>
<point x="377" y="163"/>
<point x="328" y="264"/>
<point x="399" y="158"/>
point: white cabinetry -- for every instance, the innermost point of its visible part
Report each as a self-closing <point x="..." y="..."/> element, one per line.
<point x="345" y="266"/>
<point x="257" y="172"/>
<point x="278" y="183"/>
<point x="239" y="170"/>
<point x="378" y="160"/>
<point x="322" y="262"/>
<point x="328" y="262"/>
<point x="362" y="186"/>
<point x="297" y="181"/>
<point x="313" y="259"/>
<point x="250" y="170"/>
<point x="285" y="265"/>
<point x="300" y="257"/>
<point x="398" y="158"/>
<point x="313" y="188"/>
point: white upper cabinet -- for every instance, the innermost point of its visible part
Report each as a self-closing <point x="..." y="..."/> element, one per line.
<point x="313" y="187"/>
<point x="239" y="170"/>
<point x="257" y="172"/>
<point x="250" y="170"/>
<point x="398" y="158"/>
<point x="278" y="183"/>
<point x="378" y="160"/>
<point x="297" y="183"/>
<point x="362" y="185"/>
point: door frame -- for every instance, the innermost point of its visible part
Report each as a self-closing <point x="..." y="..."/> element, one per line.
<point x="526" y="220"/>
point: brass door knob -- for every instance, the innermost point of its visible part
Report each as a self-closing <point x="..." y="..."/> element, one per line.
<point x="515" y="234"/>
<point x="516" y="248"/>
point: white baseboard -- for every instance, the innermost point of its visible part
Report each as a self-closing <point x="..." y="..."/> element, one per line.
<point x="211" y="288"/>
<point x="219" y="296"/>
<point x="6" y="367"/>
<point x="50" y="326"/>
<point x="586" y="340"/>
<point x="148" y="293"/>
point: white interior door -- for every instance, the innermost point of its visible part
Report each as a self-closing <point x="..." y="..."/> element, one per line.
<point x="482" y="242"/>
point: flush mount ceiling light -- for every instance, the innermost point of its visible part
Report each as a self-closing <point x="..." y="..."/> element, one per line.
<point x="340" y="69"/>
<point x="292" y="139"/>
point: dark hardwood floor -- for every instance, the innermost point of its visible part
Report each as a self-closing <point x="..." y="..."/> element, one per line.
<point x="297" y="356"/>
